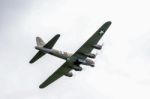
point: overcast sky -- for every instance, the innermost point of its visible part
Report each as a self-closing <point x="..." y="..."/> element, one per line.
<point x="122" y="68"/>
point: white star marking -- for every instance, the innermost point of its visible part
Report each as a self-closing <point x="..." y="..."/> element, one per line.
<point x="101" y="32"/>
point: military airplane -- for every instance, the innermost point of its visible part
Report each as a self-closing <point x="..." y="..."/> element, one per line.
<point x="73" y="61"/>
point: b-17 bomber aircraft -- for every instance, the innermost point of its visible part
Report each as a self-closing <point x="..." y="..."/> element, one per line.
<point x="73" y="61"/>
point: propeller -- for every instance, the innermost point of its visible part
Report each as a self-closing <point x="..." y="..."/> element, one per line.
<point x="96" y="53"/>
<point x="102" y="44"/>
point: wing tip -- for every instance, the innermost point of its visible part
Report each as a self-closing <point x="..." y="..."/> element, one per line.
<point x="58" y="35"/>
<point x="108" y="22"/>
<point x="30" y="62"/>
<point x="41" y="86"/>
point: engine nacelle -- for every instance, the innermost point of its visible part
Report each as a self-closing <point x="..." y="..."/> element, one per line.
<point x="86" y="62"/>
<point x="81" y="61"/>
<point x="76" y="68"/>
<point x="69" y="74"/>
<point x="90" y="55"/>
<point x="99" y="47"/>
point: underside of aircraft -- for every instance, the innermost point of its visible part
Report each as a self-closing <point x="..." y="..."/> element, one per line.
<point x="73" y="61"/>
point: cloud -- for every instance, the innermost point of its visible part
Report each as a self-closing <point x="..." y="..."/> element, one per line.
<point x="122" y="67"/>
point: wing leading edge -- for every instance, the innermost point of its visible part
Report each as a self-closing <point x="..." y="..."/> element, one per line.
<point x="56" y="75"/>
<point x="85" y="48"/>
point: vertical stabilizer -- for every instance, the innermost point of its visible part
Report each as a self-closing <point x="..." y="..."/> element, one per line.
<point x="39" y="42"/>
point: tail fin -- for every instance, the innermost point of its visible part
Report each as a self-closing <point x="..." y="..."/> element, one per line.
<point x="41" y="43"/>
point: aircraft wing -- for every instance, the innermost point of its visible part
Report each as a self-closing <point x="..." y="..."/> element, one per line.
<point x="87" y="47"/>
<point x="56" y="75"/>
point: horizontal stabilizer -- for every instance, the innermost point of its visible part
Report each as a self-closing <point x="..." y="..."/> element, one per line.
<point x="41" y="43"/>
<point x="37" y="56"/>
<point x="52" y="42"/>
